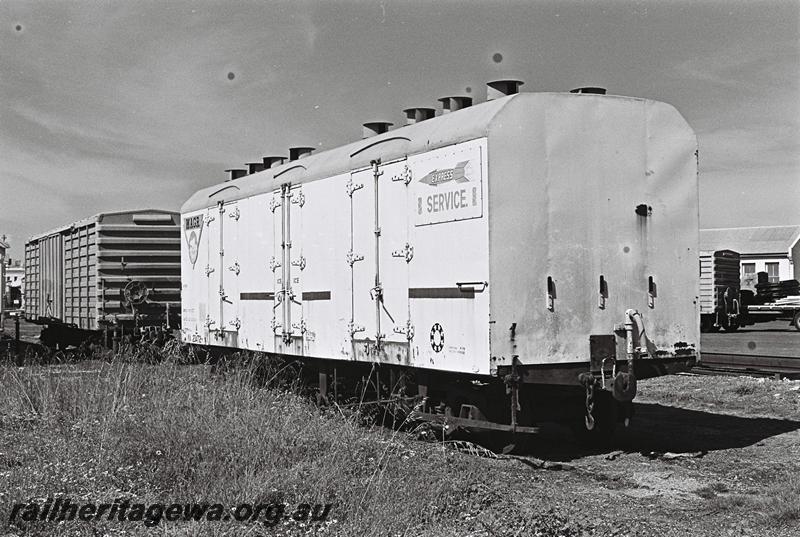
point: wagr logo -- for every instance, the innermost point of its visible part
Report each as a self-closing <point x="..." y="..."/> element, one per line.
<point x="438" y="177"/>
<point x="193" y="230"/>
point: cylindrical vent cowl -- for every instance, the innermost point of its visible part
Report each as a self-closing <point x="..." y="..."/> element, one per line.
<point x="299" y="152"/>
<point x="270" y="162"/>
<point x="589" y="89"/>
<point x="415" y="115"/>
<point x="235" y="174"/>
<point x="254" y="167"/>
<point x="502" y="88"/>
<point x="451" y="104"/>
<point x="373" y="128"/>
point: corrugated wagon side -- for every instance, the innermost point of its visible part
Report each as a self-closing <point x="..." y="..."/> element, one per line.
<point x="110" y="271"/>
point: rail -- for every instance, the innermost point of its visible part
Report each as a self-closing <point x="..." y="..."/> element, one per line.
<point x="757" y="364"/>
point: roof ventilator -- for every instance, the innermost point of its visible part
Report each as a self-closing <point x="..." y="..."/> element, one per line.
<point x="451" y="104"/>
<point x="299" y="152"/>
<point x="235" y="174"/>
<point x="415" y="115"/>
<point x="255" y="167"/>
<point x="373" y="128"/>
<point x="589" y="89"/>
<point x="270" y="162"/>
<point x="502" y="88"/>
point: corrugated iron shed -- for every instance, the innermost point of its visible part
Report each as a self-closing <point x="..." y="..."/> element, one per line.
<point x="751" y="240"/>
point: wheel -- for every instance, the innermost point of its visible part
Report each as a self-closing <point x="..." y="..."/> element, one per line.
<point x="796" y="320"/>
<point x="732" y="327"/>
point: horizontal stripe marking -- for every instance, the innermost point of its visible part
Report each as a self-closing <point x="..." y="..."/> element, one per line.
<point x="309" y="296"/>
<point x="256" y="296"/>
<point x="441" y="292"/>
<point x="317" y="295"/>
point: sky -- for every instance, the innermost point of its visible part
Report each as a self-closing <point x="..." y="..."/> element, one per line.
<point x="119" y="105"/>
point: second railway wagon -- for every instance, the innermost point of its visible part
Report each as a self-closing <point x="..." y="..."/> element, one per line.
<point x="115" y="271"/>
<point x="485" y="255"/>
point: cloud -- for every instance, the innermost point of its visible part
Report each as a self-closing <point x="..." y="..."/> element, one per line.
<point x="755" y="147"/>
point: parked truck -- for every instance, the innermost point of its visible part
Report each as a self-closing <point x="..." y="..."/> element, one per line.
<point x="772" y="302"/>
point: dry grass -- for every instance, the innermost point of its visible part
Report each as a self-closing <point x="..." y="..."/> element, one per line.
<point x="737" y="395"/>
<point x="147" y="427"/>
<point x="173" y="433"/>
<point x="777" y="504"/>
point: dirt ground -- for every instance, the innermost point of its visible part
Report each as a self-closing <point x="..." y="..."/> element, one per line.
<point x="703" y="456"/>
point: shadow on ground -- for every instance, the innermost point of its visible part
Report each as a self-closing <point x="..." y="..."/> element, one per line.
<point x="657" y="428"/>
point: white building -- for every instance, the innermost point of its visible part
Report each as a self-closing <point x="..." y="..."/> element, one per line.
<point x="3" y="248"/>
<point x="771" y="249"/>
<point x="14" y="283"/>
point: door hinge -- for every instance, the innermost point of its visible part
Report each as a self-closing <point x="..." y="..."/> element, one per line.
<point x="209" y="270"/>
<point x="408" y="330"/>
<point x="352" y="187"/>
<point x="300" y="326"/>
<point x="273" y="264"/>
<point x="236" y="323"/>
<point x="300" y="263"/>
<point x="406" y="252"/>
<point x="275" y="325"/>
<point x="353" y="328"/>
<point x="404" y="176"/>
<point x="235" y="214"/>
<point x="353" y="258"/>
<point x="235" y="268"/>
<point x="298" y="198"/>
<point x="274" y="204"/>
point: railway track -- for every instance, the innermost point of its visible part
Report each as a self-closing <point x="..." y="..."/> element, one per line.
<point x="748" y="364"/>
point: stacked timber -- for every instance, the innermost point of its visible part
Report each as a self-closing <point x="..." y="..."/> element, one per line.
<point x="771" y="292"/>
